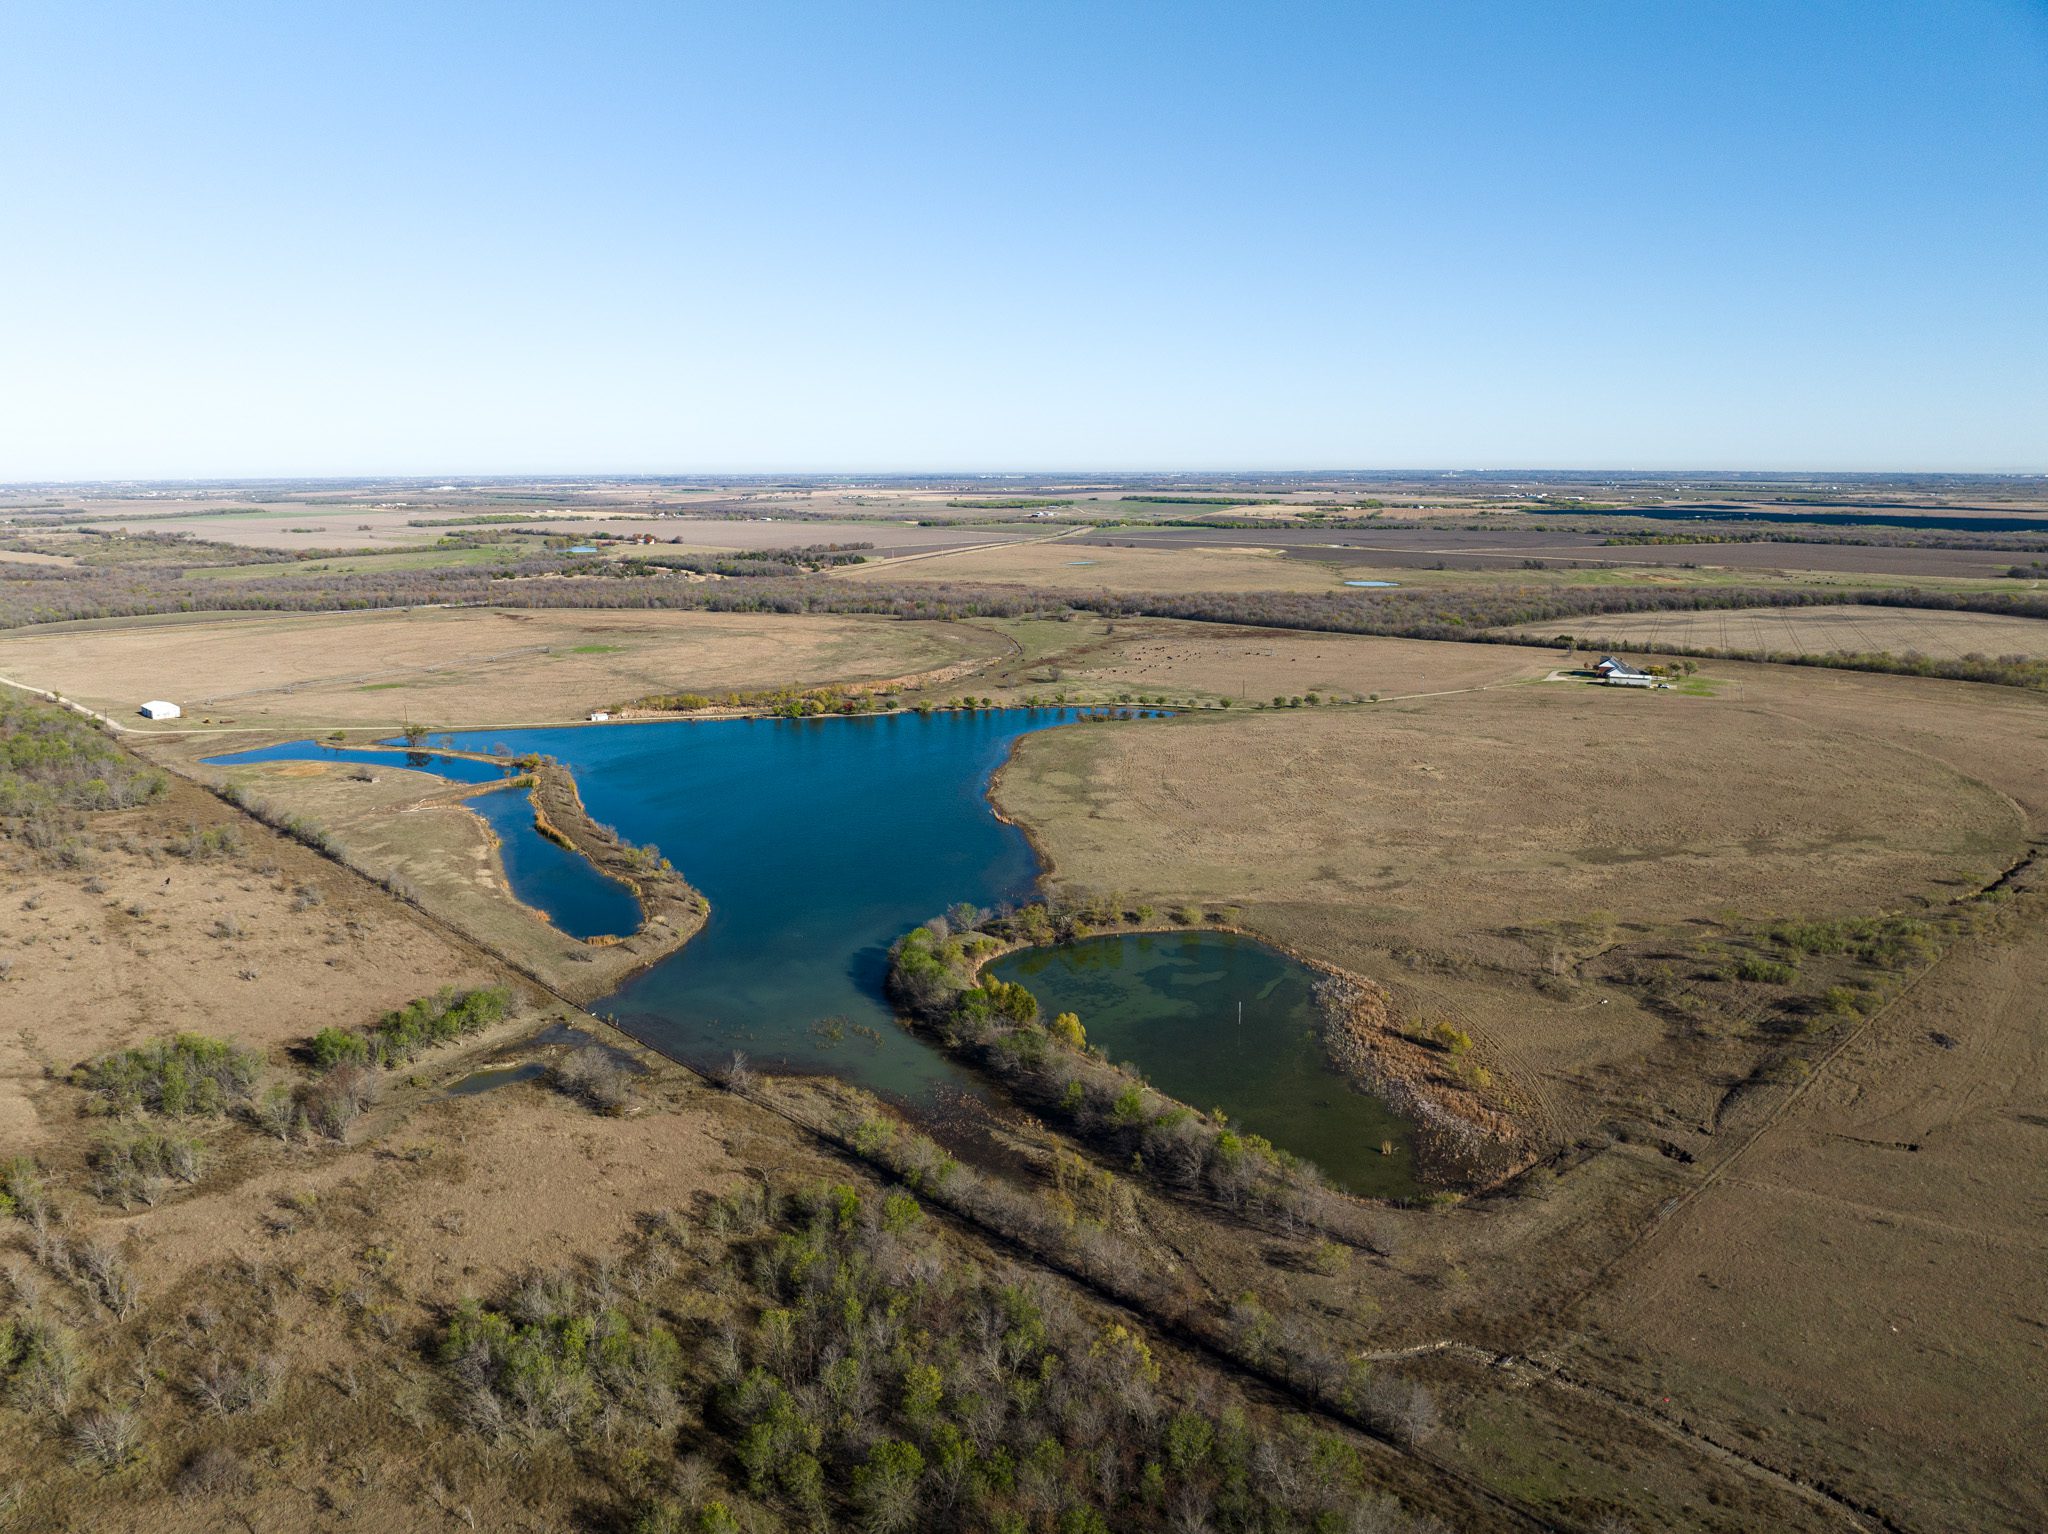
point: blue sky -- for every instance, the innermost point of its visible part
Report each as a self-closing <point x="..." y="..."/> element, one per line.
<point x="316" y="238"/>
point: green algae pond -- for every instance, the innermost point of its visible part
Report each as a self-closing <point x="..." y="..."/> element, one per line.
<point x="1220" y="1020"/>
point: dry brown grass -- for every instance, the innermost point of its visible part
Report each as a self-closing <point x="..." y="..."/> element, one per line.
<point x="1155" y="656"/>
<point x="414" y="831"/>
<point x="1435" y="820"/>
<point x="93" y="970"/>
<point x="1812" y="631"/>
<point x="457" y="667"/>
<point x="1864" y="1285"/>
<point x="1064" y="565"/>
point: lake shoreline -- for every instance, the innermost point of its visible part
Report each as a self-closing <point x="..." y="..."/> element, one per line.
<point x="671" y="910"/>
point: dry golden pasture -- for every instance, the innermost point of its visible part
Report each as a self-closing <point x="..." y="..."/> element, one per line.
<point x="1441" y="820"/>
<point x="250" y="943"/>
<point x="463" y="666"/>
<point x="1250" y="665"/>
<point x="1852" y="1297"/>
<point x="1060" y="564"/>
<point x="1810" y="631"/>
<point x="1864" y="1284"/>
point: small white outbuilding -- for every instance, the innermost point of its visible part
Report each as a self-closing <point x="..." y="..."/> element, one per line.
<point x="156" y="708"/>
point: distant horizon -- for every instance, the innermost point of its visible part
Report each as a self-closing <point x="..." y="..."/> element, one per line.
<point x="656" y="476"/>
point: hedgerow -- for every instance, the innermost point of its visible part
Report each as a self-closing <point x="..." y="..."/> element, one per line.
<point x="421" y="1024"/>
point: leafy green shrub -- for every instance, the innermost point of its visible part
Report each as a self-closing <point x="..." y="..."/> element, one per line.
<point x="185" y="1076"/>
<point x="41" y="1365"/>
<point x="556" y="1356"/>
<point x="24" y="1191"/>
<point x="1889" y="942"/>
<point x="1842" y="1001"/>
<point x="1763" y="971"/>
<point x="398" y="1037"/>
<point x="1449" y="1038"/>
<point x="331" y="1046"/>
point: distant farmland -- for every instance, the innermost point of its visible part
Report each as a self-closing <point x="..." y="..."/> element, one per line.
<point x="1809" y="631"/>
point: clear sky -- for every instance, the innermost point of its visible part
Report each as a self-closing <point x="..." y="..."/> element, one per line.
<point x="303" y="237"/>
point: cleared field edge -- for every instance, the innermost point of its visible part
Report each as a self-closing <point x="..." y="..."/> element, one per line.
<point x="1847" y="629"/>
<point x="221" y="663"/>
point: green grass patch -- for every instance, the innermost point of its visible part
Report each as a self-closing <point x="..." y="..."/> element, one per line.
<point x="1515" y="1457"/>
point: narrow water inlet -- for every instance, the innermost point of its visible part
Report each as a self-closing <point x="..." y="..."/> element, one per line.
<point x="496" y="1076"/>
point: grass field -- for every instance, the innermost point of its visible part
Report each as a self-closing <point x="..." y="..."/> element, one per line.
<point x="1868" y="1274"/>
<point x="458" y="667"/>
<point x="1814" y="631"/>
<point x="100" y="969"/>
<point x="1064" y="565"/>
<point x="1841" y="1290"/>
<point x="1558" y="870"/>
<point x="1452" y="818"/>
<point x="1176" y="560"/>
<point x="1092" y="661"/>
<point x="1508" y="546"/>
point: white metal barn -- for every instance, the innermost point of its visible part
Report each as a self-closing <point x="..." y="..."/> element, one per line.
<point x="156" y="708"/>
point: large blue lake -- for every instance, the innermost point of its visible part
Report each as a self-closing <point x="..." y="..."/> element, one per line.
<point x="819" y="843"/>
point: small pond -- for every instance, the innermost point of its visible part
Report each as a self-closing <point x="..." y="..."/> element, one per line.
<point x="1372" y="583"/>
<point x="1222" y="1021"/>
<point x="492" y="1077"/>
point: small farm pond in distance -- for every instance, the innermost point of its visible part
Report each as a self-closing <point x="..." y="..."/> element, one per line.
<point x="478" y="1082"/>
<point x="1222" y="1021"/>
